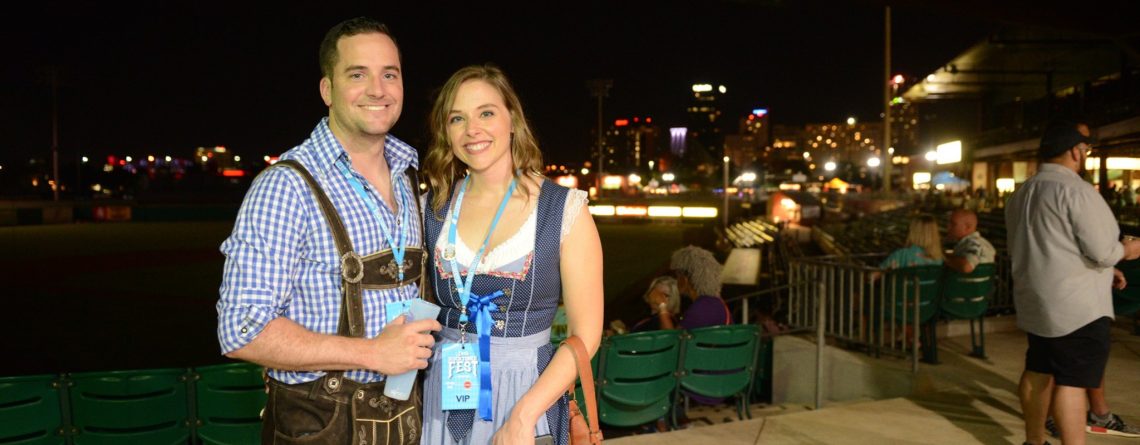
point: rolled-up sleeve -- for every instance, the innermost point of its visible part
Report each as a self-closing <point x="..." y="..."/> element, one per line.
<point x="1095" y="228"/>
<point x="262" y="258"/>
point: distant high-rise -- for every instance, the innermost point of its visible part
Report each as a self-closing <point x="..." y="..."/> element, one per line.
<point x="677" y="136"/>
<point x="704" y="116"/>
<point x="748" y="146"/>
<point x="851" y="141"/>
<point x="630" y="144"/>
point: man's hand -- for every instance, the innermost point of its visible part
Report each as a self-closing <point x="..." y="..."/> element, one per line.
<point x="1131" y="247"/>
<point x="1118" y="281"/>
<point x="402" y="347"/>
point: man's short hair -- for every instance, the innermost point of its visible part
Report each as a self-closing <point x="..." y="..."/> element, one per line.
<point x="348" y="28"/>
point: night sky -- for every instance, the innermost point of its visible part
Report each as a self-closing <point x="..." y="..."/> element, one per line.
<point x="166" y="79"/>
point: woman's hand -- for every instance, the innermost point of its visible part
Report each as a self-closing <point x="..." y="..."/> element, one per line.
<point x="514" y="432"/>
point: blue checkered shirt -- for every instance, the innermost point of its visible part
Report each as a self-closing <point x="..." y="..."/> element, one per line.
<point x="281" y="260"/>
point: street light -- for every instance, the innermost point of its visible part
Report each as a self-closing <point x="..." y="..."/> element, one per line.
<point x="850" y="121"/>
<point x="873" y="162"/>
<point x="667" y="177"/>
<point x="829" y="166"/>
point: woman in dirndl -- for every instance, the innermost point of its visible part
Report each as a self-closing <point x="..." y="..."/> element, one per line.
<point x="506" y="245"/>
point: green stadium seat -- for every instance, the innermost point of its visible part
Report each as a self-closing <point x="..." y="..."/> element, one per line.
<point x="229" y="399"/>
<point x="119" y="407"/>
<point x="901" y="282"/>
<point x="636" y="377"/>
<point x="30" y="411"/>
<point x="720" y="361"/>
<point x="967" y="297"/>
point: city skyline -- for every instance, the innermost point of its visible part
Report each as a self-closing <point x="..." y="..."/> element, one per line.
<point x="166" y="79"/>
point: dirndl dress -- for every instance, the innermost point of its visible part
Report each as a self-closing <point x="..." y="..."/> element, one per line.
<point x="527" y="269"/>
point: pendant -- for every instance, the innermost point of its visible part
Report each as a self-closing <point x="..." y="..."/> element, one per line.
<point x="449" y="253"/>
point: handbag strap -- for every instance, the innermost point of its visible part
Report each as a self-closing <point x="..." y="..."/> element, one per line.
<point x="586" y="375"/>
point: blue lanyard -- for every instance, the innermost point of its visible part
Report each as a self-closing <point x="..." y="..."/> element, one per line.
<point x="482" y="305"/>
<point x="398" y="248"/>
<point x="464" y="288"/>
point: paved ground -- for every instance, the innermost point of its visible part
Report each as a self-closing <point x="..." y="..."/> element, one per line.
<point x="962" y="400"/>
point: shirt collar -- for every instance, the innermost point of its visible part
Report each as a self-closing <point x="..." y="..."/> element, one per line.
<point x="1051" y="167"/>
<point x="327" y="150"/>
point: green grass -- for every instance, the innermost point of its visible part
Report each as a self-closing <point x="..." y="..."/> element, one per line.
<point x="87" y="297"/>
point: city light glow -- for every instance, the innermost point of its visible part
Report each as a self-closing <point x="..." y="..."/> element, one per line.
<point x="829" y="166"/>
<point x="567" y="181"/>
<point x="699" y="212"/>
<point x="664" y="211"/>
<point x="851" y="121"/>
<point x="1114" y="163"/>
<point x="702" y="88"/>
<point x="920" y="178"/>
<point x="632" y="211"/>
<point x="949" y="152"/>
<point x="931" y="155"/>
<point x="873" y="162"/>
<point x="1005" y="185"/>
<point x="667" y="177"/>
<point x="634" y="178"/>
<point x="602" y="210"/>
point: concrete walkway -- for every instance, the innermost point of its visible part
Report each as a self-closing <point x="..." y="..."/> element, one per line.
<point x="961" y="400"/>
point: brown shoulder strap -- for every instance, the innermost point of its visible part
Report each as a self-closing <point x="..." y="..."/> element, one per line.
<point x="586" y="375"/>
<point x="340" y="235"/>
<point x="352" y="267"/>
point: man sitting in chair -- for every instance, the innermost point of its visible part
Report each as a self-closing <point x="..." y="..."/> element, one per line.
<point x="971" y="249"/>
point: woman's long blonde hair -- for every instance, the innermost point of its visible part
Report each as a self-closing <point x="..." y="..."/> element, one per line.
<point x="441" y="167"/>
<point x="924" y="233"/>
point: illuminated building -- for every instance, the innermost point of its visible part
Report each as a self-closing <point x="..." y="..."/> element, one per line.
<point x="704" y="115"/>
<point x="631" y="143"/>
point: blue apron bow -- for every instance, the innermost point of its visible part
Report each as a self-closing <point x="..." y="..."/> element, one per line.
<point x="481" y="306"/>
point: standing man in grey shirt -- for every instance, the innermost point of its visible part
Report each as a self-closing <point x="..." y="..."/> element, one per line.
<point x="1063" y="240"/>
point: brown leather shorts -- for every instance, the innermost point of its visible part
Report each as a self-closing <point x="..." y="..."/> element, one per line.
<point x="333" y="410"/>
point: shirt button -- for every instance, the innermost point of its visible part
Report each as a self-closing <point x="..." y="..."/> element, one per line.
<point x="244" y="330"/>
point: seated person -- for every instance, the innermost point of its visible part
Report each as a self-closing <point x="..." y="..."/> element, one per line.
<point x="664" y="301"/>
<point x="971" y="249"/>
<point x="698" y="278"/>
<point x="923" y="246"/>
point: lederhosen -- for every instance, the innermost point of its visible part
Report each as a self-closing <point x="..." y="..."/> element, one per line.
<point x="332" y="409"/>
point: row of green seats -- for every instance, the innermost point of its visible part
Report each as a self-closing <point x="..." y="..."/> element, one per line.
<point x="641" y="376"/>
<point x="218" y="404"/>
<point x="942" y="294"/>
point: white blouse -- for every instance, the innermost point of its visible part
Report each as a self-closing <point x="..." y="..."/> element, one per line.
<point x="511" y="258"/>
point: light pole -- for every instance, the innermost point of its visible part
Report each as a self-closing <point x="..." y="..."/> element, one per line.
<point x="886" y="142"/>
<point x="600" y="88"/>
<point x="726" y="192"/>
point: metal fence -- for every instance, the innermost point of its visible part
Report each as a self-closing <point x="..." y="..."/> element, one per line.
<point x="858" y="306"/>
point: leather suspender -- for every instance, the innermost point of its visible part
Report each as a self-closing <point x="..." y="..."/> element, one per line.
<point x="353" y="266"/>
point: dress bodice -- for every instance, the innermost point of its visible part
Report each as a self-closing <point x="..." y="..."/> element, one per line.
<point x="528" y="275"/>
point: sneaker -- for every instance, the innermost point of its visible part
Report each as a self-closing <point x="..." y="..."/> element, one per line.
<point x="1051" y="427"/>
<point x="1115" y="426"/>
